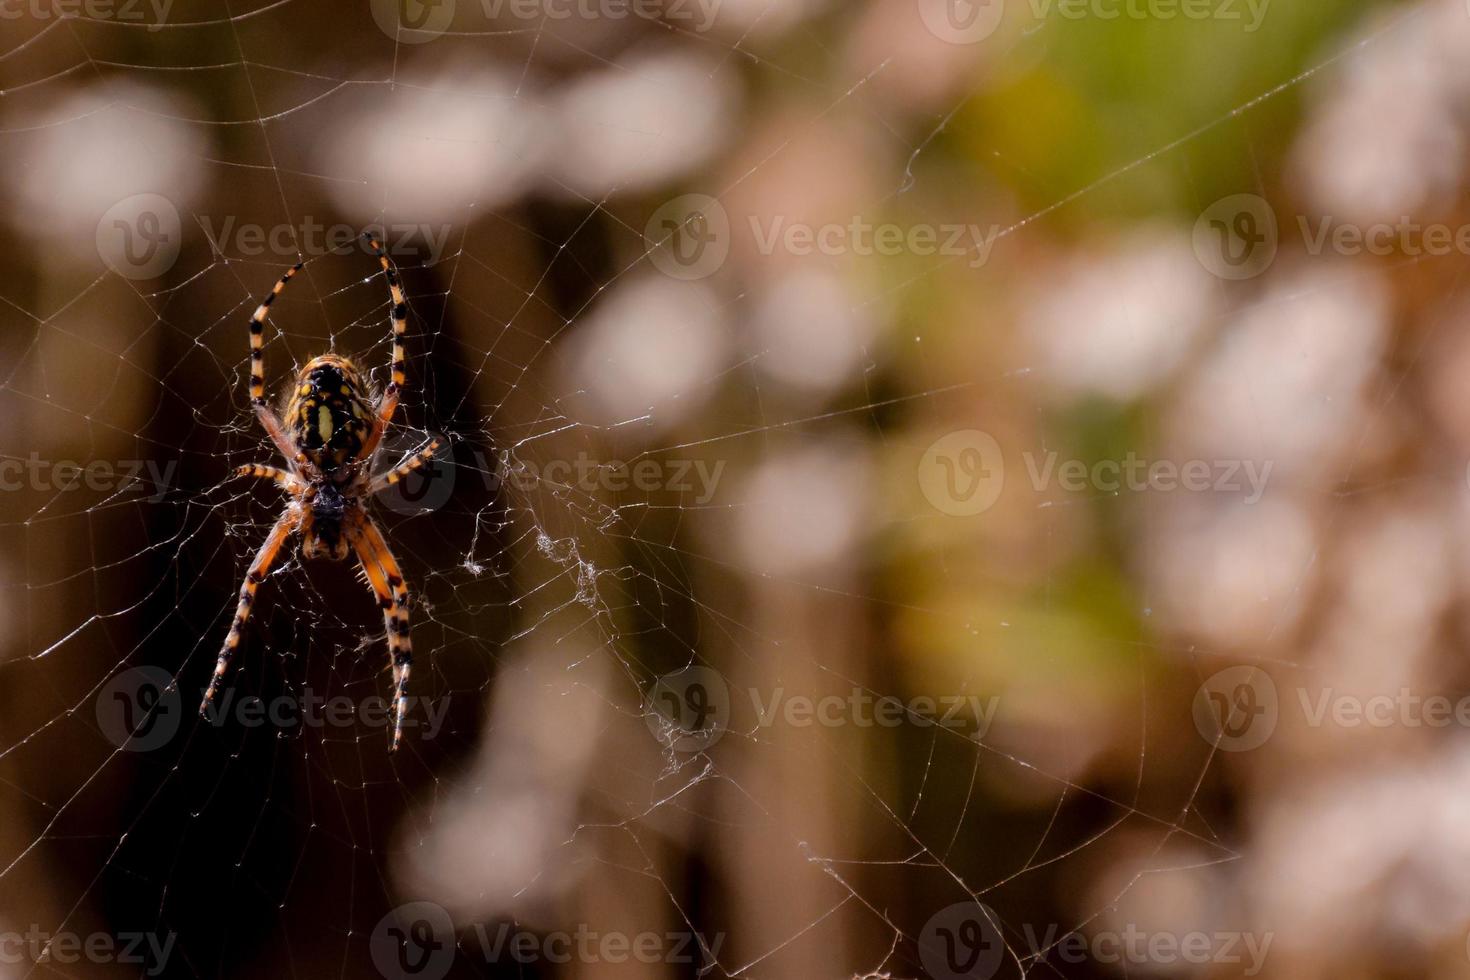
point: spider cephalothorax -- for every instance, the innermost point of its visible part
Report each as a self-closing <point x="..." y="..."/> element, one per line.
<point x="330" y="438"/>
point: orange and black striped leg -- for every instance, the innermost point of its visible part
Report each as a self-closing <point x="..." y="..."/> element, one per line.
<point x="268" y="420"/>
<point x="384" y="575"/>
<point x="397" y="473"/>
<point x="284" y="480"/>
<point x="258" y="569"/>
<point x="389" y="403"/>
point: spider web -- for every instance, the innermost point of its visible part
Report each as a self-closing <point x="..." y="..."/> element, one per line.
<point x="599" y="740"/>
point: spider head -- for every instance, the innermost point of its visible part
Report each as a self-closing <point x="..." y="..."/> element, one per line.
<point x="321" y="533"/>
<point x="329" y="414"/>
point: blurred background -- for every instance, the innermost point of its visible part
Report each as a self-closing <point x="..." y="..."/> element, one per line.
<point x="931" y="489"/>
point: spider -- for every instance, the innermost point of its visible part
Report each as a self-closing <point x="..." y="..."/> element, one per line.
<point x="330" y="437"/>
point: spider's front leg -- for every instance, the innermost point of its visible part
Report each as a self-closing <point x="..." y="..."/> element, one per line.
<point x="286" y="481"/>
<point x="287" y="523"/>
<point x="388" y="405"/>
<point x="268" y="420"/>
<point x="386" y="578"/>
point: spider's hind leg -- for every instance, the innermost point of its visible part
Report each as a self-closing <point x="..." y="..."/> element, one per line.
<point x="258" y="568"/>
<point x="386" y="578"/>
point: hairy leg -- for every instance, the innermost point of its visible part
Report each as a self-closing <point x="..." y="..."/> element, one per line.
<point x="258" y="569"/>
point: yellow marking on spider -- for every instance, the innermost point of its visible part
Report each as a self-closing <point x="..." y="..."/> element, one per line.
<point x="324" y="423"/>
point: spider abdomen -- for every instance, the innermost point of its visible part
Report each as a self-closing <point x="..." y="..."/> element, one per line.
<point x="328" y="413"/>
